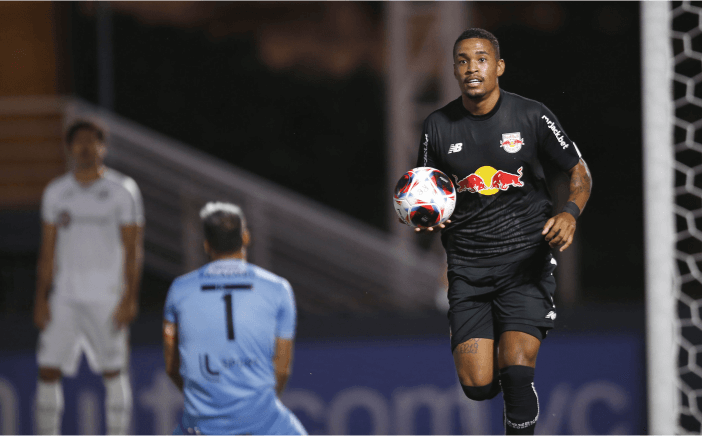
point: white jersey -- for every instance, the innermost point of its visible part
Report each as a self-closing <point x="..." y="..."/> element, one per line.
<point x="89" y="255"/>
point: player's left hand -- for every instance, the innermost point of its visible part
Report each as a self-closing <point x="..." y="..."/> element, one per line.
<point x="125" y="313"/>
<point x="559" y="230"/>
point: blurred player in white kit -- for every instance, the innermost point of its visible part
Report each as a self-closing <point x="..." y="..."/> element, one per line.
<point x="88" y="276"/>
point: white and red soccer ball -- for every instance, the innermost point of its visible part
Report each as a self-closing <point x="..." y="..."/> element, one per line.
<point x="424" y="197"/>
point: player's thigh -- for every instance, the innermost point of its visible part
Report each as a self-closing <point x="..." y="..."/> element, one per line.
<point x="58" y="344"/>
<point x="525" y="297"/>
<point x="517" y="348"/>
<point x="524" y="316"/>
<point x="475" y="361"/>
<point x="108" y="343"/>
<point x="470" y="296"/>
<point x="472" y="340"/>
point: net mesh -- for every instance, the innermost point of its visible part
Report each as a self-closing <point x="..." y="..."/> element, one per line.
<point x="687" y="94"/>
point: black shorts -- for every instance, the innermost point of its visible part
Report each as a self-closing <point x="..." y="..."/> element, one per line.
<point x="484" y="302"/>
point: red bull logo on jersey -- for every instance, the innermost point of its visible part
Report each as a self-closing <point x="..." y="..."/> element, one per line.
<point x="489" y="181"/>
<point x="512" y="142"/>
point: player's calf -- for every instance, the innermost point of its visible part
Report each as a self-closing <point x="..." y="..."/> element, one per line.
<point x="521" y="402"/>
<point x="49" y="402"/>
<point x="118" y="402"/>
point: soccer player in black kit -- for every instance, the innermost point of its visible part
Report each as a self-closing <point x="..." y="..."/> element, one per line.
<point x="493" y="145"/>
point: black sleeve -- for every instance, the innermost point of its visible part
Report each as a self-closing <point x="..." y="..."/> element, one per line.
<point x="554" y="143"/>
<point x="427" y="147"/>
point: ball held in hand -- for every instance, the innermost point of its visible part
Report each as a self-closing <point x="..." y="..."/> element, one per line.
<point x="424" y="197"/>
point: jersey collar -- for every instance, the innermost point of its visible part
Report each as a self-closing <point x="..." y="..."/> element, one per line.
<point x="91" y="184"/>
<point x="224" y="267"/>
<point x="481" y="117"/>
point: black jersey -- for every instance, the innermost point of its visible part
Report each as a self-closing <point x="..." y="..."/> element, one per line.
<point x="495" y="162"/>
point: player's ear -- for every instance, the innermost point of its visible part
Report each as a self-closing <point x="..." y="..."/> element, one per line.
<point x="206" y="246"/>
<point x="246" y="238"/>
<point x="102" y="150"/>
<point x="500" y="67"/>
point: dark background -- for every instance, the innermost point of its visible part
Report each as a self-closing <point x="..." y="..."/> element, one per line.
<point x="323" y="134"/>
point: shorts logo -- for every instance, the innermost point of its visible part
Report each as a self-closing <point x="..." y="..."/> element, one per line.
<point x="512" y="142"/>
<point x="551" y="315"/>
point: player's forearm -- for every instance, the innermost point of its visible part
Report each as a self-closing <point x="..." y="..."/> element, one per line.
<point x="172" y="358"/>
<point x="134" y="264"/>
<point x="45" y="275"/>
<point x="177" y="380"/>
<point x="43" y="286"/>
<point x="281" y="379"/>
<point x="282" y="363"/>
<point x="171" y="353"/>
<point x="580" y="185"/>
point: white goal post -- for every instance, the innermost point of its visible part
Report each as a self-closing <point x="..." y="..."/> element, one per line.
<point x="659" y="201"/>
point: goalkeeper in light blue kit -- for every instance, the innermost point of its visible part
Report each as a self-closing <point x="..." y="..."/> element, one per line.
<point x="228" y="336"/>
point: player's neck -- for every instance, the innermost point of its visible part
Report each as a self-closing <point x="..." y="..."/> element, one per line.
<point x="88" y="175"/>
<point x="483" y="105"/>
<point x="240" y="255"/>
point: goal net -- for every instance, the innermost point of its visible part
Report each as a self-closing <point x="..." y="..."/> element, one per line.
<point x="672" y="55"/>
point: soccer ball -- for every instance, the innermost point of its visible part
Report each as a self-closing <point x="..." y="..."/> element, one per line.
<point x="424" y="197"/>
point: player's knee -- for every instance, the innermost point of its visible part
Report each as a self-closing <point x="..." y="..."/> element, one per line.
<point x="480" y="393"/>
<point x="118" y="391"/>
<point x="521" y="402"/>
<point x="49" y="375"/>
<point x="48" y="406"/>
<point x="110" y="374"/>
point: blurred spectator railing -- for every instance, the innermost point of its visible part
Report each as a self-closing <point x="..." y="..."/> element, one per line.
<point x="335" y="263"/>
<point x="30" y="150"/>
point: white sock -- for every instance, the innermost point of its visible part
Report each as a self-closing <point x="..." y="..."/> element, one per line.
<point x="48" y="407"/>
<point x="118" y="404"/>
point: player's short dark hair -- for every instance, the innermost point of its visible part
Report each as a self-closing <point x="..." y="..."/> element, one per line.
<point x="87" y="125"/>
<point x="480" y="34"/>
<point x="224" y="226"/>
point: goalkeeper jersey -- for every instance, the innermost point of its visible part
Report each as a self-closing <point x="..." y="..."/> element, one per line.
<point x="496" y="162"/>
<point x="229" y="314"/>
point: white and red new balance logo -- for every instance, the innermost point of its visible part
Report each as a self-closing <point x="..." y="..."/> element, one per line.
<point x="455" y="148"/>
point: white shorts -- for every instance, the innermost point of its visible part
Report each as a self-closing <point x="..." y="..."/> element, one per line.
<point x="77" y="327"/>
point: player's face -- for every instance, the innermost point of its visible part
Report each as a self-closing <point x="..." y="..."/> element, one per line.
<point x="86" y="149"/>
<point x="476" y="68"/>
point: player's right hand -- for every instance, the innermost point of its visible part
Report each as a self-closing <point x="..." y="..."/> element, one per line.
<point x="42" y="313"/>
<point x="430" y="229"/>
